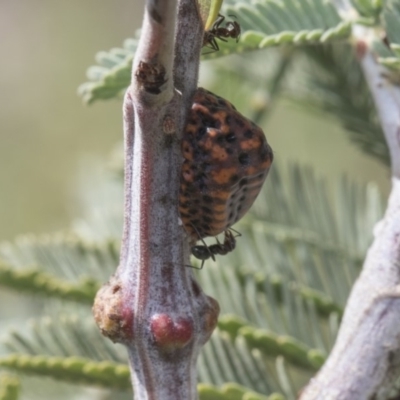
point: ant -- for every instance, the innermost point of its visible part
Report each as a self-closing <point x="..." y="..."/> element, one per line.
<point x="205" y="252"/>
<point x="231" y="30"/>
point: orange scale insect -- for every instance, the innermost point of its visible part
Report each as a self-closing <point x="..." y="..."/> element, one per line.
<point x="226" y="161"/>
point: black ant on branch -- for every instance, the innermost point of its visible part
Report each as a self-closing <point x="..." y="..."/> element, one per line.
<point x="231" y="30"/>
<point x="205" y="252"/>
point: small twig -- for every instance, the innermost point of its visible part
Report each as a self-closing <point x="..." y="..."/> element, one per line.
<point x="365" y="361"/>
<point x="387" y="101"/>
<point x="153" y="305"/>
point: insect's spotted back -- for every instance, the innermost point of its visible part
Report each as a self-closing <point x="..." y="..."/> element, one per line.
<point x="226" y="161"/>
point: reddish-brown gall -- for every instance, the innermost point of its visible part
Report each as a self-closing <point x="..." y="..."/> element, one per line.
<point x="171" y="334"/>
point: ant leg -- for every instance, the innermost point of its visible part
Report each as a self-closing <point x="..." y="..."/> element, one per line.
<point x="220" y="19"/>
<point x="216" y="248"/>
<point x="238" y="30"/>
<point x="214" y="44"/>
<point x="204" y="243"/>
<point x="238" y="234"/>
<point x="198" y="234"/>
<point x="210" y="43"/>
<point x="230" y="241"/>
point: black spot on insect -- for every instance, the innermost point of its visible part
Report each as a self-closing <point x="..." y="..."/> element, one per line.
<point x="207" y="198"/>
<point x="205" y="166"/>
<point x="195" y="222"/>
<point x="201" y="176"/>
<point x="220" y="139"/>
<point x="244" y="158"/>
<point x="206" y="210"/>
<point x="202" y="186"/>
<point x="266" y="153"/>
<point x="234" y="178"/>
<point x="206" y="227"/>
<point x="243" y="182"/>
<point x="201" y="131"/>
<point x="207" y="219"/>
<point x="248" y="133"/>
<point x="239" y="122"/>
<point x="230" y="137"/>
<point x="208" y="121"/>
<point x="222" y="102"/>
<point x="196" y="152"/>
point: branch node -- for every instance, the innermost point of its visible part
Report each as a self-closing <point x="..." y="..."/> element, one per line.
<point x="150" y="76"/>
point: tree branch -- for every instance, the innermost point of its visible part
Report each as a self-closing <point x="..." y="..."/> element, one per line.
<point x="153" y="305"/>
<point x="365" y="361"/>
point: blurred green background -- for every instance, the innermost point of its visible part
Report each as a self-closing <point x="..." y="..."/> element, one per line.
<point x="46" y="47"/>
<point x="46" y="131"/>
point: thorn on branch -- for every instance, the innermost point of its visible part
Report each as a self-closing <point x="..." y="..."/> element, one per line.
<point x="152" y="9"/>
<point x="150" y="76"/>
<point x="113" y="317"/>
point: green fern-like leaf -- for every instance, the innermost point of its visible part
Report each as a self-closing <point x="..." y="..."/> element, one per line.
<point x="312" y="239"/>
<point x="369" y="10"/>
<point x="391" y="17"/>
<point x="232" y="391"/>
<point x="9" y="387"/>
<point x="300" y="251"/>
<point x="112" y="74"/>
<point x="267" y="23"/>
<point x="64" y="256"/>
<point x="264" y="23"/>
<point x="34" y="280"/>
<point x="64" y="336"/>
<point x="71" y="369"/>
<point x="334" y="83"/>
<point x="103" y="374"/>
<point x="226" y="360"/>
